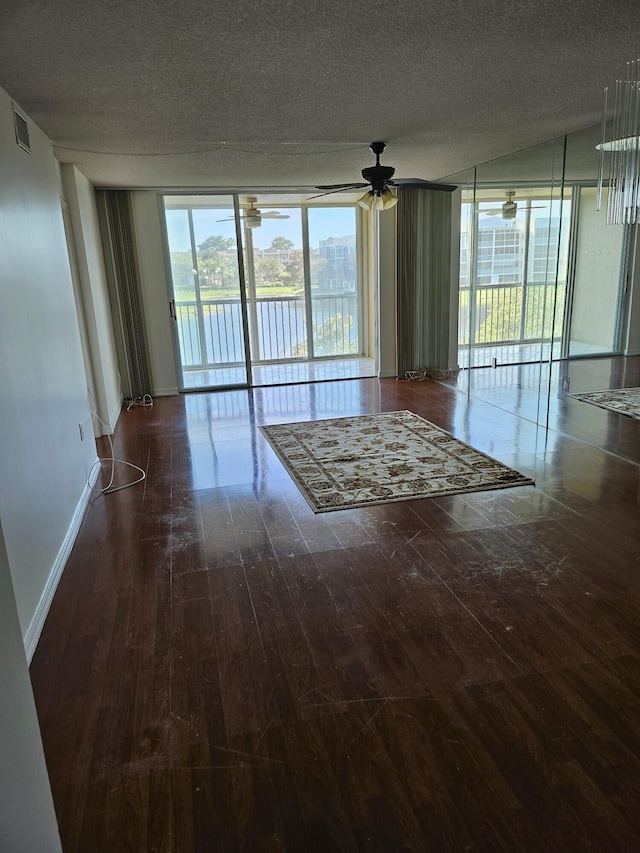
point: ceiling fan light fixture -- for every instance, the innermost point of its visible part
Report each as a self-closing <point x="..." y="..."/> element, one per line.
<point x="253" y="221"/>
<point x="374" y="200"/>
<point x="389" y="199"/>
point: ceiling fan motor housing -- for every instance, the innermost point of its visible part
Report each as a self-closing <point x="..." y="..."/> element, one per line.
<point x="378" y="176"/>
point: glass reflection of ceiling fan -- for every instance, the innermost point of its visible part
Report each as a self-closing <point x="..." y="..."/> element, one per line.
<point x="252" y="217"/>
<point x="510" y="208"/>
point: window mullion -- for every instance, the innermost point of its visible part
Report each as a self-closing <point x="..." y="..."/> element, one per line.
<point x="306" y="258"/>
<point x="204" y="355"/>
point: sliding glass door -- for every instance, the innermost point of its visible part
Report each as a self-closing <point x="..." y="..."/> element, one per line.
<point x="265" y="290"/>
<point x="209" y="304"/>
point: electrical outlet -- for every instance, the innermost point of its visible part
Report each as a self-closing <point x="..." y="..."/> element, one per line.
<point x="81" y="428"/>
<point x="566" y="381"/>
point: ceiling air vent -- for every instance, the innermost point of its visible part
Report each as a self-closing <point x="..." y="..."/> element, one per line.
<point x="22" y="131"/>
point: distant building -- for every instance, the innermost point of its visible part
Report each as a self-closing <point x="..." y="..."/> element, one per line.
<point x="339" y="272"/>
<point x="505" y="251"/>
<point x="284" y="256"/>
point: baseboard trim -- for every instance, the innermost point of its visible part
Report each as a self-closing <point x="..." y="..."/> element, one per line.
<point x="37" y="623"/>
<point x="115" y="414"/>
<point x="165" y="392"/>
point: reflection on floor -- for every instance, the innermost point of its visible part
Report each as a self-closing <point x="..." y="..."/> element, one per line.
<point x="540" y="393"/>
<point x="281" y="373"/>
<point x="479" y="356"/>
<point x="503" y="354"/>
<point x="221" y="669"/>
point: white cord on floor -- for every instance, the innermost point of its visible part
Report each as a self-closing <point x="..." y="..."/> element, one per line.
<point x="109" y="488"/>
<point x="417" y="375"/>
<point x="145" y="400"/>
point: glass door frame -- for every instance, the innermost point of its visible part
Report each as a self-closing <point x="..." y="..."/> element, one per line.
<point x="244" y="311"/>
<point x="162" y="196"/>
<point x="306" y="263"/>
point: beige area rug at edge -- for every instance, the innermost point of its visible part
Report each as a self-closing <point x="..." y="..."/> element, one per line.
<point x="624" y="401"/>
<point x="372" y="459"/>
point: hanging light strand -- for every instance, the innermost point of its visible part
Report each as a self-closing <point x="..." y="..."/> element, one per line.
<point x="613" y="197"/>
<point x="603" y="137"/>
<point x="623" y="196"/>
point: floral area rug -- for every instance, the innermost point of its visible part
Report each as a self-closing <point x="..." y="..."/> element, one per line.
<point x="372" y="459"/>
<point x="625" y="401"/>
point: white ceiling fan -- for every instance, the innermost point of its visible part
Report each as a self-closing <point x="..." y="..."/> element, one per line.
<point x="252" y="216"/>
<point x="509" y="209"/>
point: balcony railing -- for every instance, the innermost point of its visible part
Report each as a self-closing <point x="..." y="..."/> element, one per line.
<point x="278" y="329"/>
<point x="510" y="313"/>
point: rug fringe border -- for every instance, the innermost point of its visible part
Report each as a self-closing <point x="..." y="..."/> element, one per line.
<point x="364" y="504"/>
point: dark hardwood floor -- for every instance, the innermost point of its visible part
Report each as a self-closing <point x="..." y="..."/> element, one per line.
<point x="223" y="670"/>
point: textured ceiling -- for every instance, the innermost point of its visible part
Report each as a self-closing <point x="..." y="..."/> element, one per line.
<point x="236" y="93"/>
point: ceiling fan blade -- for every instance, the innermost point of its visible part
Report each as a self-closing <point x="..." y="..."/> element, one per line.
<point x="499" y="211"/>
<point x="339" y="189"/>
<point x="259" y="215"/>
<point x="419" y="182"/>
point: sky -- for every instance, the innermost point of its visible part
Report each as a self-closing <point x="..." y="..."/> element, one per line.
<point x="323" y="223"/>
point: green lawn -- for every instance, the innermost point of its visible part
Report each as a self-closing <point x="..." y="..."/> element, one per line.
<point x="262" y="290"/>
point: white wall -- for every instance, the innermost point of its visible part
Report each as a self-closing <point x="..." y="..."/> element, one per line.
<point x="43" y="462"/>
<point x="149" y="228"/>
<point x="27" y="818"/>
<point x="597" y="278"/>
<point x="96" y="309"/>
